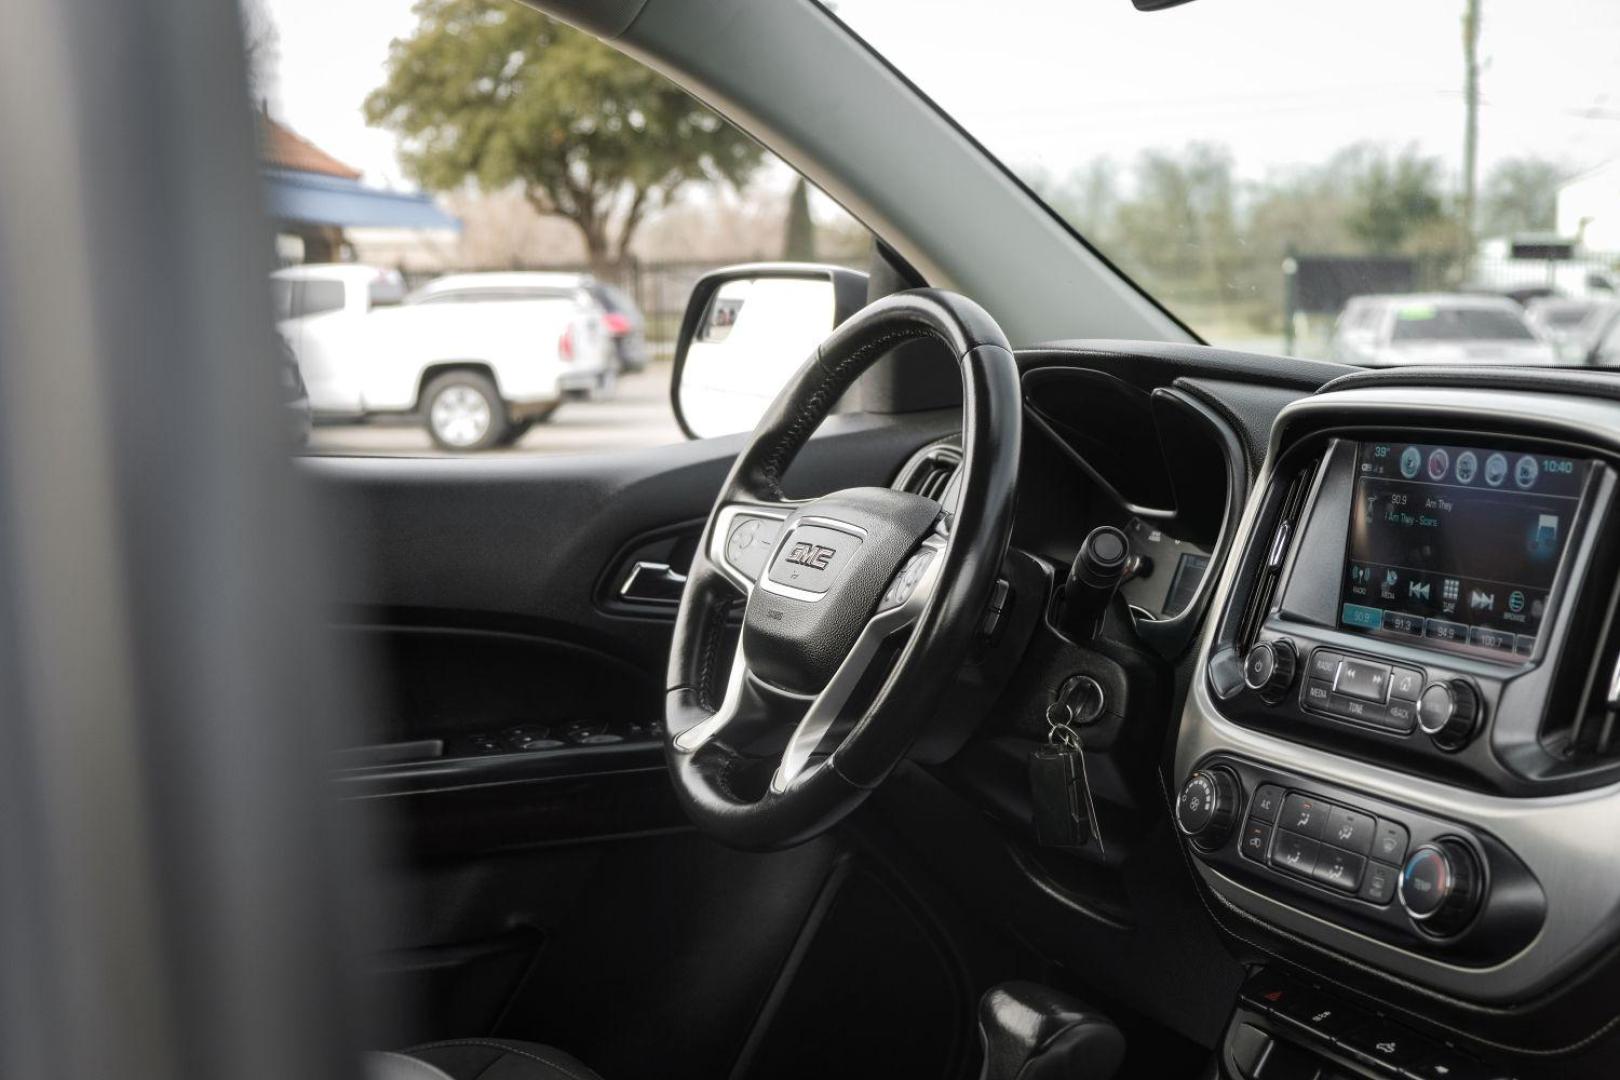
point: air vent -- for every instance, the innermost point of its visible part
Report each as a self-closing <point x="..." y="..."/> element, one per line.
<point x="930" y="473"/>
<point x="1278" y="543"/>
<point x="1592" y="735"/>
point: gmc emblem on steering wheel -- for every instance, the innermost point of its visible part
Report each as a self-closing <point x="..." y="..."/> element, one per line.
<point x="812" y="555"/>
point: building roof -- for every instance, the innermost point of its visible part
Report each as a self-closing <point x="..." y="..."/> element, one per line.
<point x="312" y="199"/>
<point x="280" y="147"/>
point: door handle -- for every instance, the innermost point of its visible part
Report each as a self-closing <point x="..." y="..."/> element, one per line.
<point x="653" y="583"/>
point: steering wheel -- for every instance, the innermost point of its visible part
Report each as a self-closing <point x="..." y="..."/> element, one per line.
<point x="859" y="605"/>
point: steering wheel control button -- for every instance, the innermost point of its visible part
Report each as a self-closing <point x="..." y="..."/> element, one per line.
<point x="905" y="582"/>
<point x="1378" y="886"/>
<point x="1207" y="807"/>
<point x="1295" y="853"/>
<point x="1449" y="713"/>
<point x="1268" y="800"/>
<point x="812" y="557"/>
<point x="750" y="544"/>
<point x="1389" y="842"/>
<point x="1269" y="669"/>
<point x="1440" y="886"/>
<point x="1349" y="830"/>
<point x="1304" y="815"/>
<point x="1338" y="869"/>
<point x="1256" y="840"/>
<point x="1363" y="679"/>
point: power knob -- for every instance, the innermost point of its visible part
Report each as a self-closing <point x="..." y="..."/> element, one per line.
<point x="1441" y="886"/>
<point x="1269" y="668"/>
<point x="1207" y="807"/>
<point x="1448" y="712"/>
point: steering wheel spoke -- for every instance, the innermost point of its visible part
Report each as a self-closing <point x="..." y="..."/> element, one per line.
<point x="908" y="593"/>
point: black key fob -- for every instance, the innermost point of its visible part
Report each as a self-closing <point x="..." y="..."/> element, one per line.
<point x="1060" y="808"/>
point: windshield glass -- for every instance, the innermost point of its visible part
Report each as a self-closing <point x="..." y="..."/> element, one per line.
<point x="1255" y="165"/>
<point x="1428" y="323"/>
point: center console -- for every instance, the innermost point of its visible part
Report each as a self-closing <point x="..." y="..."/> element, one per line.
<point x="1400" y="749"/>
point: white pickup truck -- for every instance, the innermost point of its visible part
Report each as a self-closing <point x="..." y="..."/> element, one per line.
<point x="478" y="366"/>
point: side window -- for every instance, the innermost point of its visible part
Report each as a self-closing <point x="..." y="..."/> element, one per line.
<point x="575" y="236"/>
<point x="317" y="297"/>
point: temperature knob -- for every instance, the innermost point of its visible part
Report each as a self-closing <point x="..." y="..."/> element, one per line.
<point x="1207" y="806"/>
<point x="1441" y="886"/>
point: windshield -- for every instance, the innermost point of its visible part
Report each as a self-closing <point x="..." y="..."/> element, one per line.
<point x="1254" y="166"/>
<point x="1458" y="324"/>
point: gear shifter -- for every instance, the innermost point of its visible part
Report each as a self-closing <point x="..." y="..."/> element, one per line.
<point x="1029" y="1032"/>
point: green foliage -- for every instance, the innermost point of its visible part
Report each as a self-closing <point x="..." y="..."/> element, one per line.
<point x="496" y="93"/>
<point x="1521" y="195"/>
<point x="799" y="241"/>
<point x="1397" y="203"/>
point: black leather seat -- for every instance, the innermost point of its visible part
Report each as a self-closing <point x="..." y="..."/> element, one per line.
<point x="483" y="1059"/>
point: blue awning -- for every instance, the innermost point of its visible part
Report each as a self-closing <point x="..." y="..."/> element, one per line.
<point x="314" y="199"/>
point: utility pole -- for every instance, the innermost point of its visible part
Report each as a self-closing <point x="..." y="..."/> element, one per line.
<point x="1470" y="194"/>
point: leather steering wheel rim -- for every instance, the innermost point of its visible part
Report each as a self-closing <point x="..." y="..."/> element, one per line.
<point x="866" y="542"/>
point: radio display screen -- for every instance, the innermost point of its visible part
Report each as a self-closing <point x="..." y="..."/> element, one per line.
<point x="1457" y="546"/>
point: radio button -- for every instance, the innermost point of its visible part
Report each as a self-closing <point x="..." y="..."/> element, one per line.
<point x="1339" y="869"/>
<point x="1295" y="853"/>
<point x="1268" y="799"/>
<point x="1304" y="815"/>
<point x="1324" y="665"/>
<point x="1389" y="842"/>
<point x="1406" y="683"/>
<point x="1363" y="679"/>
<point x="1349" y="830"/>
<point x="1378" y="887"/>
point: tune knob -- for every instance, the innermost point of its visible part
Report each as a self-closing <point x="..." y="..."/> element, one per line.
<point x="1207" y="806"/>
<point x="1449" y="713"/>
<point x="1441" y="886"/>
<point x="1269" y="668"/>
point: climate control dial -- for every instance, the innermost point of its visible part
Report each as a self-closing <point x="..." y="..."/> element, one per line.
<point x="1207" y="807"/>
<point x="1441" y="886"/>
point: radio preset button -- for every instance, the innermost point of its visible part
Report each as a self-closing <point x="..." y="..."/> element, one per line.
<point x="1304" y="815"/>
<point x="1363" y="679"/>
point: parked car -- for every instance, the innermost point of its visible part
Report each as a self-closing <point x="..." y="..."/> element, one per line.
<point x="478" y="366"/>
<point x="1567" y="324"/>
<point x="294" y="396"/>
<point x="621" y="318"/>
<point x="1439" y="328"/>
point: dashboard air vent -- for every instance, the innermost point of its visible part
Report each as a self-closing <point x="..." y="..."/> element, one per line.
<point x="1593" y="734"/>
<point x="930" y="473"/>
<point x="1279" y="541"/>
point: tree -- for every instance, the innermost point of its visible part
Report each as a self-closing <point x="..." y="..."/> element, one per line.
<point x="1397" y="202"/>
<point x="494" y="93"/>
<point x="799" y="241"/>
<point x="1521" y="195"/>
<point x="1181" y="224"/>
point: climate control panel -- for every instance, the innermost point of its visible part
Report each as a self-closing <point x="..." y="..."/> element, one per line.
<point x="1389" y="871"/>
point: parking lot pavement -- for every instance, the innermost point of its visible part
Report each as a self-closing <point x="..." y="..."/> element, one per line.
<point x="637" y="415"/>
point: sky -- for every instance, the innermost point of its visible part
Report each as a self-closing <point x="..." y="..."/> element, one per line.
<point x="1053" y="84"/>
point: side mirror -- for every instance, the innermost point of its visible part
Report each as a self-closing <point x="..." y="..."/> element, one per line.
<point x="746" y="331"/>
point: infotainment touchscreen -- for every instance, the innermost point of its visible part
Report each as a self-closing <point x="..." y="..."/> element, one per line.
<point x="1457" y="545"/>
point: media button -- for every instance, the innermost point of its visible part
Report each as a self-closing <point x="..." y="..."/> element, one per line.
<point x="1442" y="630"/>
<point x="1487" y="638"/>
<point x="1318" y="694"/>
